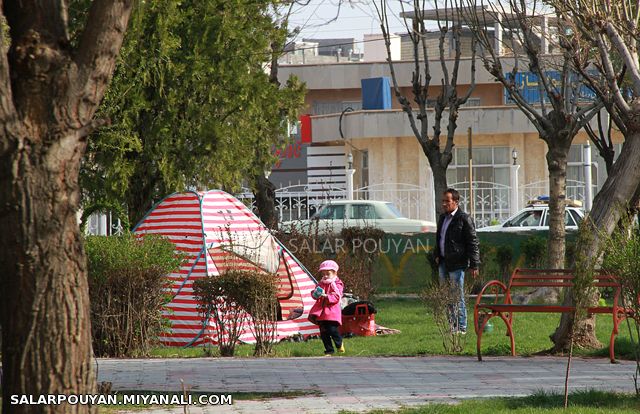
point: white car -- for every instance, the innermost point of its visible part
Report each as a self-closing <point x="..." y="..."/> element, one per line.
<point x="536" y="217"/>
<point x="339" y="214"/>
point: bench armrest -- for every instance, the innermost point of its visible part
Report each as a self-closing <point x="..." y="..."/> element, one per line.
<point x="496" y="288"/>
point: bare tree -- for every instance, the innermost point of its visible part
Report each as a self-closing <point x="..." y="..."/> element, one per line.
<point x="522" y="30"/>
<point x="447" y="103"/>
<point x="49" y="92"/>
<point x="601" y="138"/>
<point x="604" y="36"/>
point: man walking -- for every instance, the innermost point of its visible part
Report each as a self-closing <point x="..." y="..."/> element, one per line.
<point x="456" y="250"/>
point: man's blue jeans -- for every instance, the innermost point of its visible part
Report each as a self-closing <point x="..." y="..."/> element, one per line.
<point x="456" y="279"/>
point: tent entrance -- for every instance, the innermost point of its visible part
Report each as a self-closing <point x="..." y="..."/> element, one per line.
<point x="261" y="259"/>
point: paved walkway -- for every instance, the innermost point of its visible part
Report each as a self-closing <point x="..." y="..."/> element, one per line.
<point x="361" y="384"/>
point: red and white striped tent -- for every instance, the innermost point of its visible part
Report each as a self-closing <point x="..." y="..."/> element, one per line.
<point x="210" y="228"/>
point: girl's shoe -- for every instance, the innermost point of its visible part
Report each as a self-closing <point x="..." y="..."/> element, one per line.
<point x="341" y="349"/>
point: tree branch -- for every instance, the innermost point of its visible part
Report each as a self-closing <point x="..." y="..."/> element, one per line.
<point x="630" y="57"/>
<point x="584" y="115"/>
<point x="97" y="53"/>
<point x="404" y="102"/>
<point x="610" y="75"/>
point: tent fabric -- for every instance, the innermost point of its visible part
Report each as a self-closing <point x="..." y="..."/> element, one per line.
<point x="214" y="230"/>
<point x="258" y="247"/>
<point x="376" y="93"/>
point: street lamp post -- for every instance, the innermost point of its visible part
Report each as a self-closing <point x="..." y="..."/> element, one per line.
<point x="588" y="181"/>
<point x="350" y="172"/>
<point x="514" y="183"/>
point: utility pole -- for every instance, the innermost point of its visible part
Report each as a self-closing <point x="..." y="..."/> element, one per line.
<point x="472" y="204"/>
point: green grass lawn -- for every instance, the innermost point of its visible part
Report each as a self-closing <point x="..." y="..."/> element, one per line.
<point x="420" y="336"/>
<point x="586" y="402"/>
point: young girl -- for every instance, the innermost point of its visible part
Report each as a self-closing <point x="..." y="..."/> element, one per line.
<point x="326" y="312"/>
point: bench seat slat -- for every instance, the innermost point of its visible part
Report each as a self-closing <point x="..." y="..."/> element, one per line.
<point x="502" y="307"/>
<point x="559" y="283"/>
<point x="540" y="284"/>
<point x="553" y="277"/>
<point x="542" y="276"/>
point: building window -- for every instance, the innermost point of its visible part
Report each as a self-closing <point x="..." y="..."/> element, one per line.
<point x="490" y="165"/>
<point x="575" y="167"/>
<point x="491" y="173"/>
<point x="575" y="170"/>
<point x="364" y="170"/>
<point x="431" y="103"/>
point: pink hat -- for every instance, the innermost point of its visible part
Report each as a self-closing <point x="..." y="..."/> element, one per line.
<point x="329" y="265"/>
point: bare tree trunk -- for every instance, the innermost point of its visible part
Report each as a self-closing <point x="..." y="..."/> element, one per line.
<point x="143" y="190"/>
<point x="46" y="334"/>
<point x="608" y="207"/>
<point x="557" y="162"/>
<point x="265" y="195"/>
<point x="439" y="181"/>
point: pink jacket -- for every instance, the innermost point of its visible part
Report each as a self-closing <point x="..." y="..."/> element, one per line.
<point x="328" y="308"/>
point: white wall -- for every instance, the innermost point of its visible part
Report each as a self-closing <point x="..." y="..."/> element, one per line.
<point x="348" y="75"/>
<point x="394" y="123"/>
<point x="376" y="51"/>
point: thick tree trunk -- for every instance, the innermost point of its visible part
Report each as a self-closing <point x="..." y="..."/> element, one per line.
<point x="48" y="96"/>
<point x="265" y="196"/>
<point x="557" y="162"/>
<point x="558" y="146"/>
<point x="439" y="183"/>
<point x="143" y="184"/>
<point x="608" y="207"/>
<point x="46" y="334"/>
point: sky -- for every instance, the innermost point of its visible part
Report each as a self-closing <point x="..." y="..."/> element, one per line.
<point x="356" y="18"/>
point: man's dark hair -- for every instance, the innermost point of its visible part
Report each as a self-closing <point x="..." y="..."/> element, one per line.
<point x="455" y="195"/>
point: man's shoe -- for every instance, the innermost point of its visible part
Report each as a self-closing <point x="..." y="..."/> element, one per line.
<point x="461" y="332"/>
<point x="341" y="349"/>
<point x="328" y="353"/>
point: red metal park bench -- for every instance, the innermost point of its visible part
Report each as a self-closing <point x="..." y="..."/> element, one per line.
<point x="495" y="300"/>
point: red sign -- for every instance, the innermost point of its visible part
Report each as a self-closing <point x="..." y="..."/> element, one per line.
<point x="293" y="150"/>
<point x="305" y="128"/>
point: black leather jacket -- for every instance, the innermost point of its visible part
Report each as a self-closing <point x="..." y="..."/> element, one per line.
<point x="460" y="243"/>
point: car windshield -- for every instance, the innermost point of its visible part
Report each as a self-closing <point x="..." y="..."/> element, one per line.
<point x="330" y="212"/>
<point x="568" y="221"/>
<point x="394" y="210"/>
<point x="525" y="219"/>
<point x="363" y="212"/>
<point x="576" y="217"/>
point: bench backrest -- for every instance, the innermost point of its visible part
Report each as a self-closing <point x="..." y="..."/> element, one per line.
<point x="558" y="278"/>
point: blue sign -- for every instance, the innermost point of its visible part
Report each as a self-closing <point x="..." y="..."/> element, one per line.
<point x="530" y="88"/>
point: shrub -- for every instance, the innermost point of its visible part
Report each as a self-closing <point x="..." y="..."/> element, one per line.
<point x="127" y="289"/>
<point x="622" y="250"/>
<point x="441" y="301"/>
<point x="504" y="257"/>
<point x="535" y="252"/>
<point x="488" y="269"/>
<point x="570" y="254"/>
<point x="216" y="301"/>
<point x="259" y="298"/>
